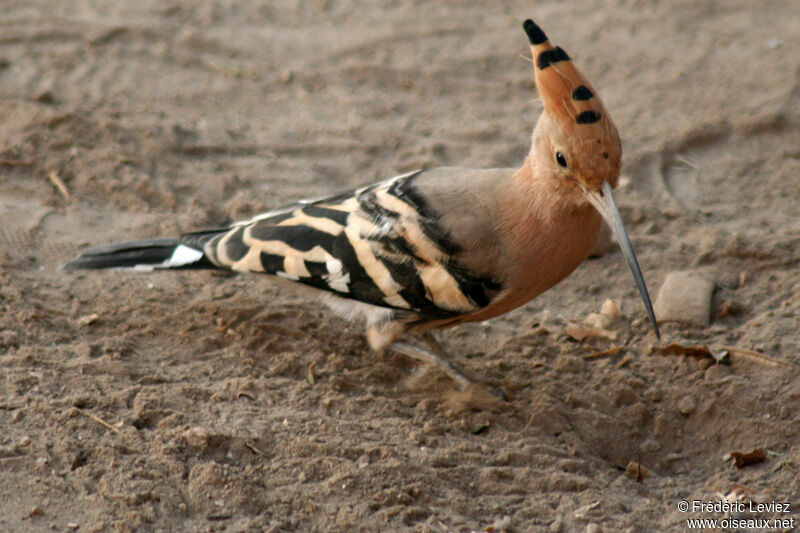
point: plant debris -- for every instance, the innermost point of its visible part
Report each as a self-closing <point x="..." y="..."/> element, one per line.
<point x="483" y="427"/>
<point x="740" y="460"/>
<point x="605" y="353"/>
<point x="758" y="357"/>
<point x="729" y="308"/>
<point x="625" y="360"/>
<point x="579" y="333"/>
<point x="15" y="163"/>
<point x="58" y="184"/>
<point x="87" y="319"/>
<point x="719" y="356"/>
<point x="637" y="472"/>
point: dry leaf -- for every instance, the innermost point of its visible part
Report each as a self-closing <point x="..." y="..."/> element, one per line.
<point x="743" y="489"/>
<point x="740" y="460"/>
<point x="694" y="350"/>
<point x="605" y="353"/>
<point x="580" y="333"/>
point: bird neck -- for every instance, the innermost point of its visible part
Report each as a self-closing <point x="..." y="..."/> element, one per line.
<point x="546" y="224"/>
<point x="545" y="200"/>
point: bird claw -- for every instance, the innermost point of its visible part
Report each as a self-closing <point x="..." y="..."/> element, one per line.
<point x="440" y="361"/>
<point x="497" y="391"/>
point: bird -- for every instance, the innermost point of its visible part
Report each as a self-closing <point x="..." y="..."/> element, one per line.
<point x="432" y="249"/>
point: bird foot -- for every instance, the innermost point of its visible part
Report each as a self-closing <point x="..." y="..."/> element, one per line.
<point x="463" y="379"/>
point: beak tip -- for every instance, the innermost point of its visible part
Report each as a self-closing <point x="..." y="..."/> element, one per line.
<point x="608" y="209"/>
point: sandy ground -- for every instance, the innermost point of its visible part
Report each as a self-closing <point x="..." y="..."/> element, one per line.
<point x="182" y="401"/>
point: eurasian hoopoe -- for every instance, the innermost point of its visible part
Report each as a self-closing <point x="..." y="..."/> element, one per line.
<point x="434" y="248"/>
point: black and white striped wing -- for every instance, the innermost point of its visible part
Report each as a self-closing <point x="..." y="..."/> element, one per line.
<point x="381" y="245"/>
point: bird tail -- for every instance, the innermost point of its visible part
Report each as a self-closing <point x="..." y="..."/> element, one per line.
<point x="185" y="252"/>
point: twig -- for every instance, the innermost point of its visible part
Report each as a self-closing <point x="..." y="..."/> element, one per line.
<point x="738" y="487"/>
<point x="755" y="356"/>
<point x="611" y="351"/>
<point x="253" y="448"/>
<point x="58" y="184"/>
<point x="16" y="162"/>
<point x="686" y="162"/>
<point x="625" y="360"/>
<point x="101" y="422"/>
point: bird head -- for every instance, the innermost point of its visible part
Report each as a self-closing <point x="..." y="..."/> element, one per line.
<point x="576" y="143"/>
<point x="575" y="138"/>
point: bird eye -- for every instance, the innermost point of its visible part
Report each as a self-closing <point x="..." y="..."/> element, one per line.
<point x="561" y="159"/>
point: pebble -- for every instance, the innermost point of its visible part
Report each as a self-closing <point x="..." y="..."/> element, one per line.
<point x="650" y="446"/>
<point x="196" y="437"/>
<point x="609" y="313"/>
<point x="654" y="395"/>
<point x="611" y="310"/>
<point x="686" y="405"/>
<point x="597" y="320"/>
<point x="25" y="441"/>
<point x="503" y="524"/>
<point x="593" y="528"/>
<point x="685" y="297"/>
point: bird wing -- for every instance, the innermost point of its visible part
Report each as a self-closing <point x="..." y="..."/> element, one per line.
<point x="384" y="245"/>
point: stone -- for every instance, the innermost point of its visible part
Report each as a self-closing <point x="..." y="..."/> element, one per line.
<point x="196" y="437"/>
<point x="685" y="297"/>
<point x="686" y="405"/>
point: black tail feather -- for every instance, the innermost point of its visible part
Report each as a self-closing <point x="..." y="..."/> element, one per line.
<point x="146" y="253"/>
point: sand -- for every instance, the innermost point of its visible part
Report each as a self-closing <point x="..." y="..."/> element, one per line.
<point x="200" y="401"/>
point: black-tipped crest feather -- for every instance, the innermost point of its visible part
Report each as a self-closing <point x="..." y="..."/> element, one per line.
<point x="535" y="33"/>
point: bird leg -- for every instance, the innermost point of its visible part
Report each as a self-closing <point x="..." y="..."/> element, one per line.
<point x="432" y="358"/>
<point x="438" y="357"/>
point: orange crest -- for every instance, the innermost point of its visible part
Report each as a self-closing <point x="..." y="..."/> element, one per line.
<point x="571" y="100"/>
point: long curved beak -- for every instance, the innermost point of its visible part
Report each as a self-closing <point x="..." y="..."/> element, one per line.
<point x="605" y="204"/>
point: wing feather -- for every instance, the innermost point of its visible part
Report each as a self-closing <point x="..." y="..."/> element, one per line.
<point x="382" y="245"/>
